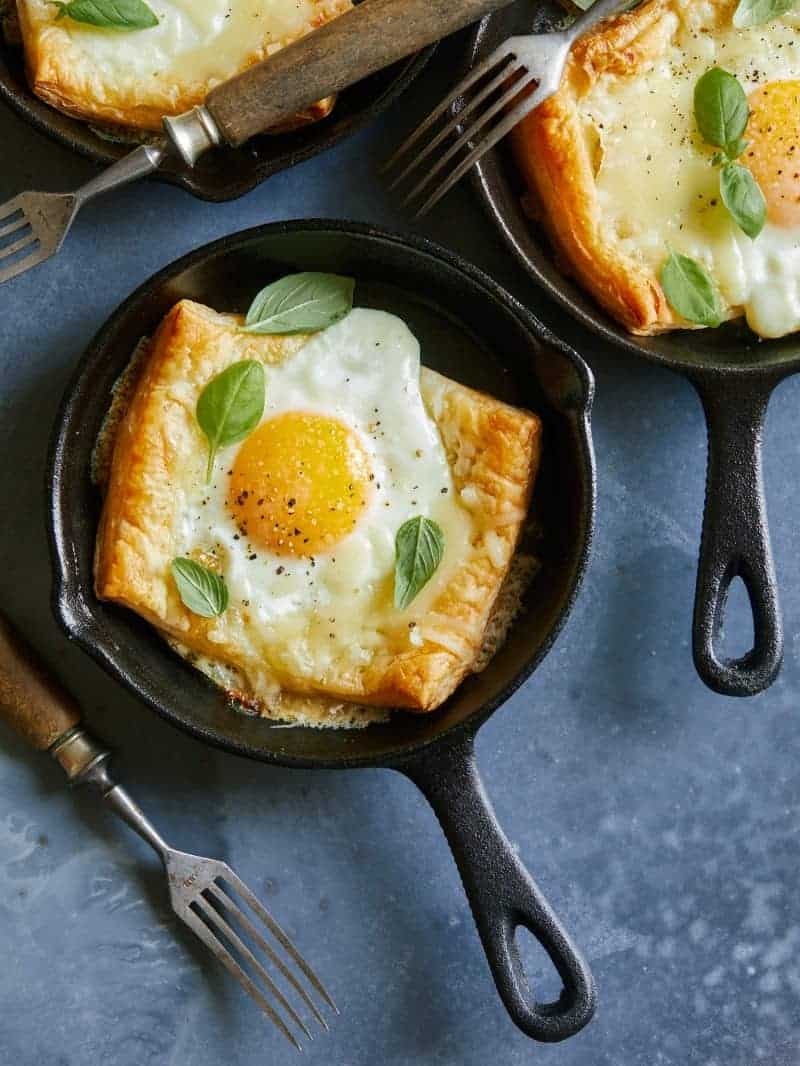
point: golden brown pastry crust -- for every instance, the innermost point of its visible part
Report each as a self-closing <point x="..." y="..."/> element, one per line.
<point x="493" y="451"/>
<point x="59" y="74"/>
<point x="556" y="157"/>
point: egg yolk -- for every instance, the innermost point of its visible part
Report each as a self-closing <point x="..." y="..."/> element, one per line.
<point x="299" y="484"/>
<point x="773" y="154"/>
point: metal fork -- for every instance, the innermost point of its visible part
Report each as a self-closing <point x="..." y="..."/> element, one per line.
<point x="515" y="78"/>
<point x="203" y="892"/>
<point x="38" y="222"/>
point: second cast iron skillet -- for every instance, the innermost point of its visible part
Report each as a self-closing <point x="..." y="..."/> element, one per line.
<point x="473" y="331"/>
<point x="733" y="372"/>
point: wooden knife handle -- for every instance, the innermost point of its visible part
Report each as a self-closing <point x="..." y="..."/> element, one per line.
<point x="372" y="36"/>
<point x="30" y="700"/>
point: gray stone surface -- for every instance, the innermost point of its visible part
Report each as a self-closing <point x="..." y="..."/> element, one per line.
<point x="660" y="818"/>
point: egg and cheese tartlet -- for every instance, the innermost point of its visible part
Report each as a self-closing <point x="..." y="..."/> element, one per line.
<point x="621" y="175"/>
<point x="135" y="79"/>
<point x="301" y="516"/>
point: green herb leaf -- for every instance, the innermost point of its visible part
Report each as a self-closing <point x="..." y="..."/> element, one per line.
<point x="743" y="198"/>
<point x="300" y="303"/>
<point x="720" y="108"/>
<point x="109" y="14"/>
<point x="690" y="290"/>
<point x="231" y="406"/>
<point x="736" y="148"/>
<point x="419" y="547"/>
<point x="201" y="590"/>
<point x="730" y="153"/>
<point x="757" y="12"/>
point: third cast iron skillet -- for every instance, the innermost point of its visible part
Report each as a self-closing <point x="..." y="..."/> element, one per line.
<point x="473" y="331"/>
<point x="229" y="172"/>
<point x="733" y="372"/>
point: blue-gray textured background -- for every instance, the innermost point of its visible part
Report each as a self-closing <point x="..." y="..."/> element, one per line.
<point x="660" y="818"/>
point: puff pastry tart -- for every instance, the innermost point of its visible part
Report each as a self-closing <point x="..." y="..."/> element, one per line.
<point x="301" y="517"/>
<point x="134" y="79"/>
<point x="621" y="173"/>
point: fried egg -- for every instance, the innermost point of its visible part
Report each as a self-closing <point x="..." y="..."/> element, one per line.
<point x="656" y="185"/>
<point x="301" y="515"/>
<point x="134" y="78"/>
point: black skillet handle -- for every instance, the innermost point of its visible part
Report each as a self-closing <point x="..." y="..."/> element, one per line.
<point x="735" y="540"/>
<point x="503" y="895"/>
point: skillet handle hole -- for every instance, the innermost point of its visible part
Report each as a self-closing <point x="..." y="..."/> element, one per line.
<point x="543" y="980"/>
<point x="735" y="543"/>
<point x="735" y="630"/>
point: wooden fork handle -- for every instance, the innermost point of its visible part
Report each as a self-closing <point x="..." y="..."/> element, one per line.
<point x="371" y="36"/>
<point x="30" y="700"/>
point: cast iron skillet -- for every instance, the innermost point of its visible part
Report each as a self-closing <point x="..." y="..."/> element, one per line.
<point x="733" y="372"/>
<point x="229" y="173"/>
<point x="471" y="329"/>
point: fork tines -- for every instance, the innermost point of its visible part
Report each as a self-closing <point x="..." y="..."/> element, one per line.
<point x="497" y="94"/>
<point x="234" y="937"/>
<point x="20" y="247"/>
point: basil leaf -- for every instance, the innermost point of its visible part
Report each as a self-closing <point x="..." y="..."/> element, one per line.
<point x="757" y="12"/>
<point x="736" y="148"/>
<point x="300" y="303"/>
<point x="690" y="290"/>
<point x="231" y="406"/>
<point x="743" y="198"/>
<point x="201" y="590"/>
<point x="109" y="14"/>
<point x="419" y="547"/>
<point x="720" y="108"/>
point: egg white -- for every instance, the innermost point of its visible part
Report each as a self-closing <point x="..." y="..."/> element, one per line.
<point x="308" y="614"/>
<point x="655" y="183"/>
